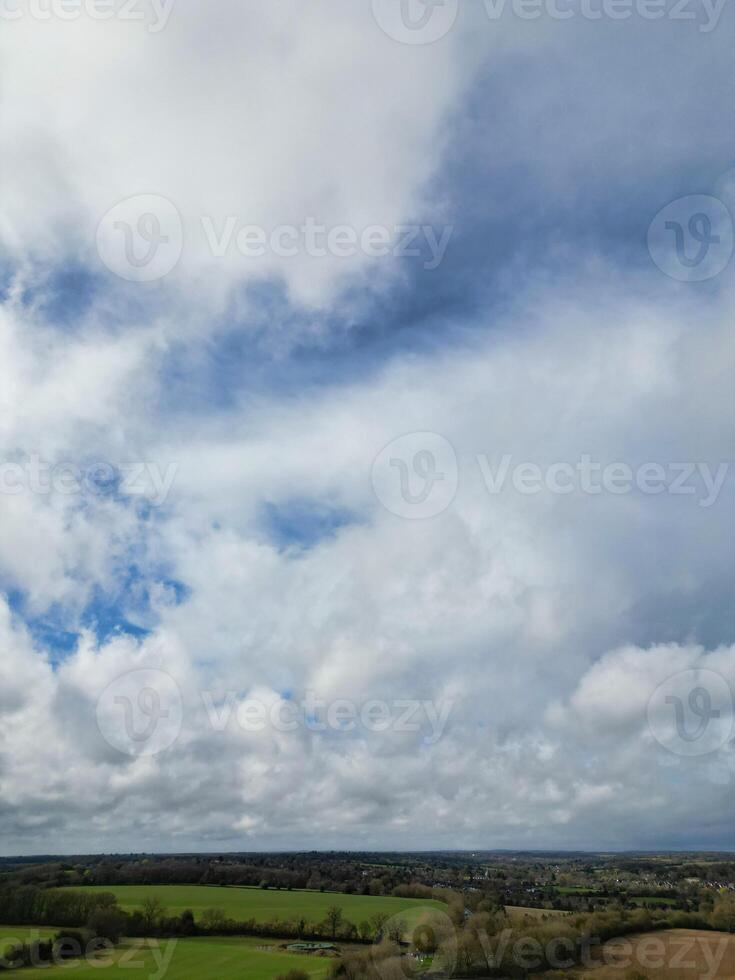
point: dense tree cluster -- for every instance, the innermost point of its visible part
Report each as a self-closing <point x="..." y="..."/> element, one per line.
<point x="30" y="906"/>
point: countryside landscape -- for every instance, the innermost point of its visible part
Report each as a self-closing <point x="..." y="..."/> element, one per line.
<point x="373" y="916"/>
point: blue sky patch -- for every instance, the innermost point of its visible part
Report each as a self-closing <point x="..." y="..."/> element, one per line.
<point x="303" y="523"/>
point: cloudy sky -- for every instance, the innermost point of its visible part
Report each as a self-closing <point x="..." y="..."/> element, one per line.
<point x="366" y="402"/>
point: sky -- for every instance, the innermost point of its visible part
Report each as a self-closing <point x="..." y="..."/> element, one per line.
<point x="366" y="425"/>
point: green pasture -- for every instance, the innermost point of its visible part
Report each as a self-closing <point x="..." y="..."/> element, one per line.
<point x="188" y="959"/>
<point x="266" y="905"/>
<point x="10" y="935"/>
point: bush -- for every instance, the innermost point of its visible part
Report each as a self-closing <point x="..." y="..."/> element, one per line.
<point x="108" y="923"/>
<point x="72" y="943"/>
<point x="37" y="953"/>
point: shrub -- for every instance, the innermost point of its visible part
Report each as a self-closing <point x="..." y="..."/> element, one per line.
<point x="108" y="923"/>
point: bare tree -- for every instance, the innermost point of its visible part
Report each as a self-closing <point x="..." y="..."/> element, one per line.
<point x="334" y="918"/>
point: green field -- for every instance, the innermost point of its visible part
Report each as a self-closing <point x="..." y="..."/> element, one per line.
<point x="265" y="905"/>
<point x="23" y="934"/>
<point x="190" y="959"/>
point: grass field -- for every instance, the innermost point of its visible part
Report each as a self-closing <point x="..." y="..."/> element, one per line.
<point x="266" y="905"/>
<point x="189" y="959"/>
<point x="518" y="913"/>
<point x="676" y="954"/>
<point x="23" y="934"/>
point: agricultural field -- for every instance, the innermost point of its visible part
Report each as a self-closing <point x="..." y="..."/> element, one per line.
<point x="23" y="934"/>
<point x="190" y="959"/>
<point x="675" y="954"/>
<point x="265" y="905"/>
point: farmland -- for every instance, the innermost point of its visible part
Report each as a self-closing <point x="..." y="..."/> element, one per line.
<point x="187" y="959"/>
<point x="23" y="934"/>
<point x="265" y="905"/>
<point x="677" y="954"/>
